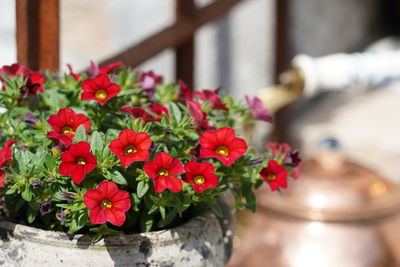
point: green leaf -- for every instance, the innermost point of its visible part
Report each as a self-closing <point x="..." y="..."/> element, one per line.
<point x="216" y="208"/>
<point x="153" y="209"/>
<point x="96" y="144"/>
<point x="162" y="211"/>
<point x="146" y="223"/>
<point x="27" y="193"/>
<point x="168" y="219"/>
<point x="116" y="177"/>
<point x="32" y="215"/>
<point x="80" y="134"/>
<point x="250" y="197"/>
<point x="78" y="221"/>
<point x="50" y="162"/>
<point x="142" y="188"/>
<point x="175" y="111"/>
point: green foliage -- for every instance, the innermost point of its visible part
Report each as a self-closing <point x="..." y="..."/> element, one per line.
<point x="33" y="176"/>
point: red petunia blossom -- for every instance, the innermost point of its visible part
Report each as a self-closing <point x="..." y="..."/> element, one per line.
<point x="107" y="204"/>
<point x="110" y="67"/>
<point x="2" y="177"/>
<point x="14" y="70"/>
<point x="100" y="89"/>
<point x="74" y="75"/>
<point x="33" y="84"/>
<point x="275" y="174"/>
<point x="160" y="170"/>
<point x="212" y="97"/>
<point x="62" y="141"/>
<point x="95" y="70"/>
<point x="201" y="175"/>
<point x="184" y="92"/>
<point x="158" y="109"/>
<point x="141" y="113"/>
<point x="223" y="145"/>
<point x="287" y="156"/>
<point x="77" y="161"/>
<point x="131" y="146"/>
<point x="66" y="122"/>
<point x="198" y="115"/>
<point x="5" y="158"/>
<point x="278" y="149"/>
<point x="6" y="153"/>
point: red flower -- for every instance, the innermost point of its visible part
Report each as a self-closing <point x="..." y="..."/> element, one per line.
<point x="5" y="158"/>
<point x="160" y="170"/>
<point x="63" y="141"/>
<point x="12" y="71"/>
<point x="94" y="69"/>
<point x="76" y="76"/>
<point x="198" y="115"/>
<point x="33" y="84"/>
<point x="213" y="97"/>
<point x="201" y="175"/>
<point x="275" y="174"/>
<point x="184" y="92"/>
<point x="6" y="153"/>
<point x="278" y="149"/>
<point x="107" y="203"/>
<point x="131" y="146"/>
<point x="223" y="145"/>
<point x="67" y="121"/>
<point x="2" y="178"/>
<point x="77" y="161"/>
<point x="158" y="109"/>
<point x="110" y="67"/>
<point x="100" y="89"/>
<point x="141" y="113"/>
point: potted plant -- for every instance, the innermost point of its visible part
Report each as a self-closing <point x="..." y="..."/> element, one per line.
<point x="115" y="166"/>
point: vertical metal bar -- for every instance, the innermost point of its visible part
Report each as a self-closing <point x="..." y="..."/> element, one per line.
<point x="283" y="52"/>
<point x="185" y="10"/>
<point x="38" y="24"/>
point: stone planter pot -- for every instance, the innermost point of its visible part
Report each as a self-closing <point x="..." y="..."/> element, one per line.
<point x="203" y="241"/>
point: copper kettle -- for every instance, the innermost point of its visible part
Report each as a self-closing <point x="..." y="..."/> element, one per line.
<point x="338" y="213"/>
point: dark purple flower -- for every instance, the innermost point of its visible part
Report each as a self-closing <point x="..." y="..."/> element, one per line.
<point x="68" y="196"/>
<point x="259" y="111"/>
<point x="36" y="183"/>
<point x="61" y="217"/>
<point x="256" y="161"/>
<point x="30" y="119"/>
<point x="293" y="159"/>
<point x="45" y="207"/>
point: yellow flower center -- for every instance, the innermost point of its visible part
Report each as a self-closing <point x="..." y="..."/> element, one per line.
<point x="222" y="150"/>
<point x="271" y="176"/>
<point x="101" y="94"/>
<point x="162" y="172"/>
<point x="81" y="161"/>
<point x="105" y="203"/>
<point x="199" y="179"/>
<point x="67" y="129"/>
<point x="130" y="149"/>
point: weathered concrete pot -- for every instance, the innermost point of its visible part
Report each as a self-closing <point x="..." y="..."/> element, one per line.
<point x="203" y="241"/>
